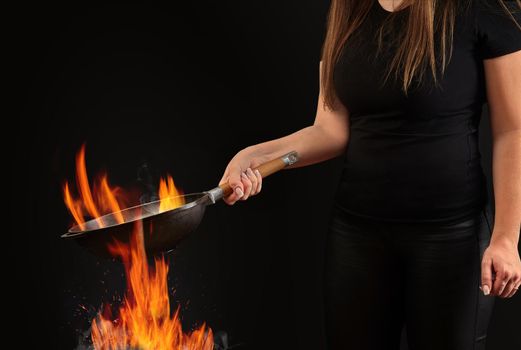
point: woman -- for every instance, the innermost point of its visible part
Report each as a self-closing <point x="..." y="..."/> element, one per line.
<point x="411" y="239"/>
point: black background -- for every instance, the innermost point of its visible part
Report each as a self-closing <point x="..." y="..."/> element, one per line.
<point x="182" y="88"/>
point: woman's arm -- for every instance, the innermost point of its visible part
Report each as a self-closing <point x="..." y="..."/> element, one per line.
<point x="503" y="81"/>
<point x="327" y="138"/>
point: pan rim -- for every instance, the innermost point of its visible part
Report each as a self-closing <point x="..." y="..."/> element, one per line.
<point x="71" y="233"/>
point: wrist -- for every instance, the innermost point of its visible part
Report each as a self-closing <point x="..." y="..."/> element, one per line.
<point x="252" y="151"/>
<point x="258" y="152"/>
<point x="503" y="239"/>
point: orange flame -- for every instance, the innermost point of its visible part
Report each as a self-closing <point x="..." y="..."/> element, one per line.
<point x="144" y="320"/>
<point x="169" y="195"/>
<point x="103" y="199"/>
<point x="83" y="185"/>
<point x="74" y="206"/>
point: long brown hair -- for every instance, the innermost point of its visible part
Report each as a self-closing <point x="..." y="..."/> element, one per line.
<point x="416" y="51"/>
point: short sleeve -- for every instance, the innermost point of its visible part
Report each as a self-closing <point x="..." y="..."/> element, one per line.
<point x="497" y="32"/>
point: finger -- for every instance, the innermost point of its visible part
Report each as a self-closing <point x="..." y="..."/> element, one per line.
<point x="235" y="182"/>
<point x="253" y="180"/>
<point x="259" y="180"/>
<point x="486" y="275"/>
<point x="223" y="180"/>
<point x="502" y="278"/>
<point x="508" y="288"/>
<point x="231" y="199"/>
<point x="512" y="293"/>
<point x="226" y="199"/>
<point x="247" y="186"/>
<point x="514" y="290"/>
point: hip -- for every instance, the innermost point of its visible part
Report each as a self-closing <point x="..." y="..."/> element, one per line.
<point x="478" y="226"/>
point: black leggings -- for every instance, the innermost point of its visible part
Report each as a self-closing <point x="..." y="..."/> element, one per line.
<point x="380" y="277"/>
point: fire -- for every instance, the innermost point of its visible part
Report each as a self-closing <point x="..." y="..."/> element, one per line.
<point x="104" y="199"/>
<point x="169" y="195"/>
<point x="144" y="320"/>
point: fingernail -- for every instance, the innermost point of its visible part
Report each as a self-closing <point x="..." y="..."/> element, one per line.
<point x="239" y="191"/>
<point x="257" y="171"/>
<point x="486" y="290"/>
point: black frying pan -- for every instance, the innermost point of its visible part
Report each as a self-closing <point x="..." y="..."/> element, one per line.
<point x="162" y="230"/>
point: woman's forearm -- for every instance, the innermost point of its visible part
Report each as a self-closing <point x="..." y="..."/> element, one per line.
<point x="313" y="145"/>
<point x="506" y="173"/>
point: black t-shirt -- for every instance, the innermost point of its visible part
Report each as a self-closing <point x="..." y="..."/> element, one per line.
<point x="416" y="158"/>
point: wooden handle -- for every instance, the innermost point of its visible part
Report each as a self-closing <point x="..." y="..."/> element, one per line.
<point x="267" y="169"/>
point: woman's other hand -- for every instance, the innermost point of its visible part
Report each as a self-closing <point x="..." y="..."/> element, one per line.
<point x="501" y="258"/>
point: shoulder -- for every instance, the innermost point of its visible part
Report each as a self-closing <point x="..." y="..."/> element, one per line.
<point x="489" y="9"/>
<point x="496" y="25"/>
<point x="496" y="6"/>
<point x="496" y="10"/>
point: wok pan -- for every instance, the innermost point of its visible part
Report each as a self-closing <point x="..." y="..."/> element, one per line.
<point x="162" y="230"/>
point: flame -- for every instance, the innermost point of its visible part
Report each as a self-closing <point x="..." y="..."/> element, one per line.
<point x="144" y="320"/>
<point x="109" y="199"/>
<point x="169" y="195"/>
<point x="101" y="201"/>
<point x="83" y="185"/>
<point x="104" y="199"/>
<point x="74" y="206"/>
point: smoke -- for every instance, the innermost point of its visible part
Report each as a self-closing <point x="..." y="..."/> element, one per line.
<point x="148" y="180"/>
<point x="84" y="342"/>
<point x="220" y="341"/>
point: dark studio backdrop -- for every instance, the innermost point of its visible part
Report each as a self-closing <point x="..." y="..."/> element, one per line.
<point x="181" y="89"/>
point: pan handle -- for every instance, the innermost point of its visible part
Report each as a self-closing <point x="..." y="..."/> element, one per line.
<point x="265" y="169"/>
